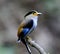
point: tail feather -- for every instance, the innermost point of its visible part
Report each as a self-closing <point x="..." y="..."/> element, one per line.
<point x="28" y="49"/>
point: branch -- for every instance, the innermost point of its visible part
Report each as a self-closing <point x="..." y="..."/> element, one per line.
<point x="35" y="45"/>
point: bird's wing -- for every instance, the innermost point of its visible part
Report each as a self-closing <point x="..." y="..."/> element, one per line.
<point x="25" y="25"/>
<point x="20" y="28"/>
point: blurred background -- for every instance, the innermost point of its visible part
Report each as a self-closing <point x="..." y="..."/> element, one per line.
<point x="47" y="33"/>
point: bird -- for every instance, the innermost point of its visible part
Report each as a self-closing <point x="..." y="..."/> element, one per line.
<point x="27" y="26"/>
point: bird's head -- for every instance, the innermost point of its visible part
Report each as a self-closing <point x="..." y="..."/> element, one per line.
<point x="32" y="13"/>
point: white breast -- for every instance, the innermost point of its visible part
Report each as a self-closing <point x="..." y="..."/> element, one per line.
<point x="34" y="18"/>
<point x="35" y="22"/>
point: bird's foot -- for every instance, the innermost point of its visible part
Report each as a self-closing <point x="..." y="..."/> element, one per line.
<point x="28" y="38"/>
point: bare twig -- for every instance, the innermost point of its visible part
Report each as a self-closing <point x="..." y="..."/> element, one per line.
<point x="35" y="45"/>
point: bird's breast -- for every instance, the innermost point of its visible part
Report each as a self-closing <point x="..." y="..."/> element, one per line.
<point x="34" y="23"/>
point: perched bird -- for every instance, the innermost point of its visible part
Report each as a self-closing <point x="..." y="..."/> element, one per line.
<point x="27" y="26"/>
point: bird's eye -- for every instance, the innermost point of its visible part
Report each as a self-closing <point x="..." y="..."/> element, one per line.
<point x="35" y="14"/>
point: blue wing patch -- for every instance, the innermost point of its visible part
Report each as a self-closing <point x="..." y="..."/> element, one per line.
<point x="25" y="31"/>
<point x="27" y="28"/>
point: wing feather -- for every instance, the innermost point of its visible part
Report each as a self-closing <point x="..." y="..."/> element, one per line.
<point x="25" y="24"/>
<point x="20" y="28"/>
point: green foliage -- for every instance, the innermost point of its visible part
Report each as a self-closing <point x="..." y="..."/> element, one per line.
<point x="6" y="50"/>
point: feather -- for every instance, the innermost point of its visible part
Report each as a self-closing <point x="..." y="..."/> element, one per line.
<point x="24" y="28"/>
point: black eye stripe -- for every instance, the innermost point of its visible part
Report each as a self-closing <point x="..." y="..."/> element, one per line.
<point x="30" y="13"/>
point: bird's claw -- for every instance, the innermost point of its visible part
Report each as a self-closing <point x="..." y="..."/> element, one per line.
<point x="28" y="38"/>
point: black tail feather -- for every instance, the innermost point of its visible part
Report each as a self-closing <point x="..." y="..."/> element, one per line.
<point x="25" y="43"/>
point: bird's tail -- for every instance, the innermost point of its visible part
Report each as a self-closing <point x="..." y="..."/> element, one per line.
<point x="25" y="43"/>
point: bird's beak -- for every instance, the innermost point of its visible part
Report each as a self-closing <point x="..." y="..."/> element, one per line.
<point x="39" y="13"/>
